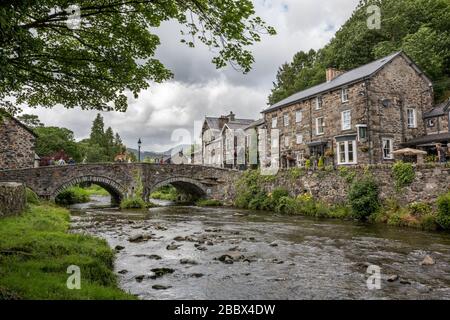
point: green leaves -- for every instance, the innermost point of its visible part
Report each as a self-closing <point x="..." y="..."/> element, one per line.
<point x="419" y="27"/>
<point x="44" y="61"/>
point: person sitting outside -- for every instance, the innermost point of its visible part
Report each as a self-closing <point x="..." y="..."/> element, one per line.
<point x="71" y="161"/>
<point x="441" y="153"/>
<point x="61" y="162"/>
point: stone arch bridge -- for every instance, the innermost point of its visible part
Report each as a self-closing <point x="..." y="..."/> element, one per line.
<point x="123" y="180"/>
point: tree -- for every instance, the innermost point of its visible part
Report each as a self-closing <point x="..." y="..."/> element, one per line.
<point x="30" y="120"/>
<point x="97" y="135"/>
<point x="54" y="139"/>
<point x="92" y="55"/>
<point x="418" y="27"/>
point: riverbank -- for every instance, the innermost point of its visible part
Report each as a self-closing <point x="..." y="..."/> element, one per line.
<point x="36" y="249"/>
<point x="362" y="199"/>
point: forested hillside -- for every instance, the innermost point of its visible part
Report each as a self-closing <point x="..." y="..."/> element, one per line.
<point x="419" y="27"/>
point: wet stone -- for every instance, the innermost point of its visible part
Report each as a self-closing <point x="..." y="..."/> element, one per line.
<point x="160" y="287"/>
<point x="427" y="261"/>
<point x="123" y="271"/>
<point x="392" y="278"/>
<point x="118" y="248"/>
<point x="159" y="272"/>
<point x="173" y="246"/>
<point x="188" y="261"/>
<point x="196" y="275"/>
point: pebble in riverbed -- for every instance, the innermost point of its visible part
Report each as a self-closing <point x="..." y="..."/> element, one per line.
<point x="173" y="246"/>
<point x="188" y="261"/>
<point x="161" y="287"/>
<point x="427" y="261"/>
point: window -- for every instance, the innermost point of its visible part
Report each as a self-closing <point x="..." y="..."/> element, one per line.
<point x="298" y="116"/>
<point x="319" y="126"/>
<point x="286" y="141"/>
<point x="346" y="152"/>
<point x="346" y="118"/>
<point x="300" y="159"/>
<point x="286" y="119"/>
<point x="274" y="122"/>
<point x="318" y="102"/>
<point x="362" y="132"/>
<point x="299" y="138"/>
<point x="387" y="148"/>
<point x="344" y="95"/>
<point x="411" y="118"/>
<point x="274" y="142"/>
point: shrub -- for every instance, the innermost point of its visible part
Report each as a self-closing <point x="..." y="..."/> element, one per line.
<point x="419" y="208"/>
<point x="403" y="174"/>
<point x="208" y="203"/>
<point x="278" y="193"/>
<point x="348" y="174"/>
<point x="320" y="164"/>
<point x="308" y="164"/>
<point x="32" y="197"/>
<point x="443" y="211"/>
<point x="72" y="195"/>
<point x="363" y="197"/>
<point x="257" y="202"/>
<point x="133" y="203"/>
<point x="288" y="205"/>
<point x="295" y="173"/>
<point x="428" y="222"/>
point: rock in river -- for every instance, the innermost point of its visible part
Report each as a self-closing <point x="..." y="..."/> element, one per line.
<point x="118" y="248"/>
<point x="159" y="272"/>
<point x="173" y="246"/>
<point x="230" y="257"/>
<point x="139" y="237"/>
<point x="161" y="287"/>
<point x="188" y="261"/>
<point x="392" y="278"/>
<point x="427" y="261"/>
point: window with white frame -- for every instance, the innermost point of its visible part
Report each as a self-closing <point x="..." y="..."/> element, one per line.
<point x="318" y="102"/>
<point x="286" y="119"/>
<point x="274" y="122"/>
<point x="300" y="159"/>
<point x="298" y="116"/>
<point x="346" y="152"/>
<point x="346" y="120"/>
<point x="411" y="113"/>
<point x="388" y="148"/>
<point x="362" y="132"/>
<point x="286" y="141"/>
<point x="274" y="142"/>
<point x="320" y="126"/>
<point x="344" y="94"/>
<point x="299" y="138"/>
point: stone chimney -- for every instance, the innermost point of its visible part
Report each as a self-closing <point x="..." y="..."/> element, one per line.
<point x="231" y="116"/>
<point x="333" y="73"/>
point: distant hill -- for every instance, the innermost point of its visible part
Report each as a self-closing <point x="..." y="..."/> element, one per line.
<point x="154" y="154"/>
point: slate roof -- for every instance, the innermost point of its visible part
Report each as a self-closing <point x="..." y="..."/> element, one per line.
<point x="439" y="110"/>
<point x="341" y="80"/>
<point x="255" y="124"/>
<point x="431" y="138"/>
<point x="239" y="124"/>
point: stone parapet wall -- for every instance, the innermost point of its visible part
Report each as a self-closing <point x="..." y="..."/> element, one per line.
<point x="332" y="186"/>
<point x="12" y="198"/>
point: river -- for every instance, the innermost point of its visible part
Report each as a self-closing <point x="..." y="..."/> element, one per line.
<point x="174" y="252"/>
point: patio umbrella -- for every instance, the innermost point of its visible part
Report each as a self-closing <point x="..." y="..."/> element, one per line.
<point x="410" y="152"/>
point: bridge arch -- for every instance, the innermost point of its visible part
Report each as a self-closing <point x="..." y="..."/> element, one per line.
<point x="185" y="185"/>
<point x="116" y="191"/>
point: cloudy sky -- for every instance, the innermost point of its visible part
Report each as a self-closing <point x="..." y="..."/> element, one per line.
<point x="167" y="111"/>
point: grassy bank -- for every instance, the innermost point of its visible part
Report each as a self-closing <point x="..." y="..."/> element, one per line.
<point x="165" y="193"/>
<point x="95" y="190"/>
<point x="36" y="250"/>
<point x="362" y="203"/>
<point x="73" y="195"/>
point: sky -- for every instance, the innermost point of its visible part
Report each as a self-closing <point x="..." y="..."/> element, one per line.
<point x="171" y="113"/>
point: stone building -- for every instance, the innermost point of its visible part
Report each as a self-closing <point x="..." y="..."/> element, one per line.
<point x="255" y="144"/>
<point x="212" y="139"/>
<point x="17" y="144"/>
<point x="437" y="127"/>
<point x="233" y="142"/>
<point x="356" y="117"/>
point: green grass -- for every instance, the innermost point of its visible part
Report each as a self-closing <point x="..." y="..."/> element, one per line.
<point x="95" y="190"/>
<point x="165" y="193"/>
<point x="73" y="195"/>
<point x="35" y="251"/>
<point x="208" y="203"/>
